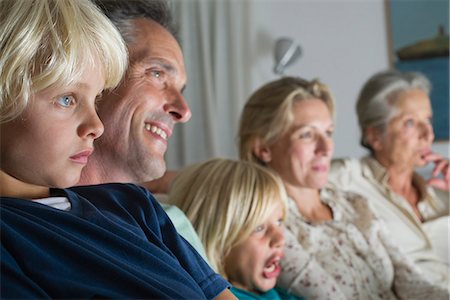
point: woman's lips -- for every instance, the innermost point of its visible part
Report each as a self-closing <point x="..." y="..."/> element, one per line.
<point x="320" y="168"/>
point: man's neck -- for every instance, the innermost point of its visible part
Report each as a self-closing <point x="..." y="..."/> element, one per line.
<point x="98" y="171"/>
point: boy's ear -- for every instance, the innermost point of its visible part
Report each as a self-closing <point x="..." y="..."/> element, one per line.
<point x="261" y="151"/>
<point x="373" y="138"/>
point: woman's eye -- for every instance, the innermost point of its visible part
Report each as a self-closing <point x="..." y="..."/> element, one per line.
<point x="66" y="100"/>
<point x="409" y="123"/>
<point x="330" y="133"/>
<point x="306" y="134"/>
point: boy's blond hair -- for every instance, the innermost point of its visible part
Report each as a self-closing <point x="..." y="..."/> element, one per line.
<point x="48" y="43"/>
<point x="226" y="200"/>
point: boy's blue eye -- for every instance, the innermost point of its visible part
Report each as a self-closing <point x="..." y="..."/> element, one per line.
<point x="65" y="100"/>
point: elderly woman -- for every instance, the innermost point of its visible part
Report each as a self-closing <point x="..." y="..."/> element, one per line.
<point x="394" y="115"/>
<point x="336" y="248"/>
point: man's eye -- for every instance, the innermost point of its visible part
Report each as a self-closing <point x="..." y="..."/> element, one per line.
<point x="157" y="74"/>
<point x="66" y="100"/>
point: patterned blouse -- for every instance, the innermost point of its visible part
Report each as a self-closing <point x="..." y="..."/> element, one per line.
<point x="349" y="257"/>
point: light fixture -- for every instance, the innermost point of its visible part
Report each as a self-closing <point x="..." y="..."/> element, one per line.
<point x="286" y="53"/>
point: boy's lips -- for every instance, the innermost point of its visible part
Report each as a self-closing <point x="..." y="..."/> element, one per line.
<point x="82" y="157"/>
<point x="272" y="268"/>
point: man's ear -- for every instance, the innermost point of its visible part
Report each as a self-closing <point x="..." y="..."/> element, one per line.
<point x="373" y="138"/>
<point x="261" y="151"/>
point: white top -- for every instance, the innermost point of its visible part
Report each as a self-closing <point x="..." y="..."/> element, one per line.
<point x="425" y="243"/>
<point x="349" y="257"/>
<point x="61" y="203"/>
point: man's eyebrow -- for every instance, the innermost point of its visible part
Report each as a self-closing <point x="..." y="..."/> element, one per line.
<point x="162" y="63"/>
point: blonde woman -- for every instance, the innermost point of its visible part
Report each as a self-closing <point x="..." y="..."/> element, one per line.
<point x="106" y="241"/>
<point x="336" y="248"/>
<point x="237" y="209"/>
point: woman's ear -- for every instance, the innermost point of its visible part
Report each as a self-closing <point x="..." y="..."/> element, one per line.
<point x="261" y="151"/>
<point x="373" y="138"/>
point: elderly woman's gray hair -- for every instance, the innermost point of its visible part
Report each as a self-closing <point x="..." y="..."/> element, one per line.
<point x="376" y="102"/>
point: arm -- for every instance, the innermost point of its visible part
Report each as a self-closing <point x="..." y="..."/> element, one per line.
<point x="409" y="282"/>
<point x="225" y="295"/>
<point x="15" y="284"/>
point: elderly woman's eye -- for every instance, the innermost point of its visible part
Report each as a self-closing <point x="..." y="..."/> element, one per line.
<point x="330" y="133"/>
<point x="409" y="123"/>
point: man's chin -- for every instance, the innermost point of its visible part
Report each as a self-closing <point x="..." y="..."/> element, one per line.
<point x="157" y="170"/>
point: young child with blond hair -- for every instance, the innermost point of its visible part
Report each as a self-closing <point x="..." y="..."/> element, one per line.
<point x="238" y="209"/>
<point x="110" y="241"/>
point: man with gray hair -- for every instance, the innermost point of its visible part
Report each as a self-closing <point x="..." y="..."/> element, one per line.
<point x="140" y="114"/>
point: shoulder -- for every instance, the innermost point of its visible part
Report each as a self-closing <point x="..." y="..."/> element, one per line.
<point x="110" y="188"/>
<point x="114" y="191"/>
<point x="120" y="195"/>
<point x="344" y="170"/>
<point x="353" y="205"/>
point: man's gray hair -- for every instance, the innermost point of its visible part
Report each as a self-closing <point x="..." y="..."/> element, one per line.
<point x="122" y="12"/>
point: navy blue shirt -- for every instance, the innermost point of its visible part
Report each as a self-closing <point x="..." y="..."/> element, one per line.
<point x="115" y="242"/>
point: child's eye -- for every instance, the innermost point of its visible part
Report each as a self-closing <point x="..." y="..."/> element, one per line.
<point x="280" y="222"/>
<point x="260" y="228"/>
<point x="66" y="100"/>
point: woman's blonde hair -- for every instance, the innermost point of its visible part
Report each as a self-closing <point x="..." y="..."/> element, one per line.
<point x="48" y="43"/>
<point x="268" y="115"/>
<point x="226" y="200"/>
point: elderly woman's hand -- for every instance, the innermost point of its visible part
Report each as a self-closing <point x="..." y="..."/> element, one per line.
<point x="441" y="167"/>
